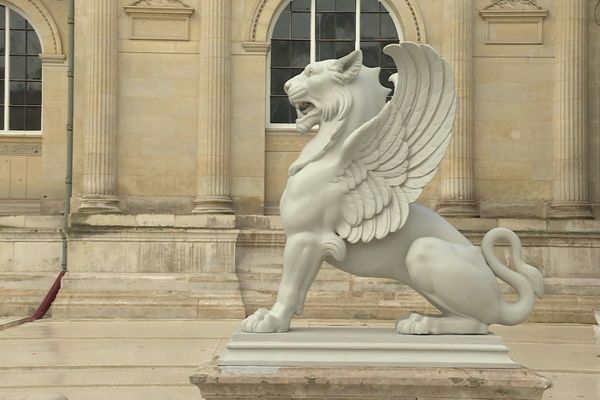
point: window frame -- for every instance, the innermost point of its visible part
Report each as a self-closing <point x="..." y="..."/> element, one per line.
<point x="313" y="51"/>
<point x="8" y="132"/>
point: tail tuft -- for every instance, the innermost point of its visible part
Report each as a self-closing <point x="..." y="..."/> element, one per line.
<point x="535" y="278"/>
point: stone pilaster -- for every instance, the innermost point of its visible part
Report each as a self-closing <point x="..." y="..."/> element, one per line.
<point x="100" y="109"/>
<point x="570" y="133"/>
<point x="456" y="188"/>
<point x="213" y="176"/>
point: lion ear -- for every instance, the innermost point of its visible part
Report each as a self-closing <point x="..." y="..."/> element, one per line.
<point x="349" y="66"/>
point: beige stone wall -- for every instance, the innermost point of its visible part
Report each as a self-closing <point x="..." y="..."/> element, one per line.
<point x="165" y="262"/>
<point x="158" y="115"/>
<point x="20" y="168"/>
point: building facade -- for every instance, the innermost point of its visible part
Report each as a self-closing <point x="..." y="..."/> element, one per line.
<point x="182" y="142"/>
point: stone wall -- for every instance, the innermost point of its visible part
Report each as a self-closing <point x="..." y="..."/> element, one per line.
<point x="170" y="124"/>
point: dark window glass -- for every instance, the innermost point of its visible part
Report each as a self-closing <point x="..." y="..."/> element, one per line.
<point x="300" y="5"/>
<point x="16" y="116"/>
<point x="300" y="26"/>
<point x="17" y="67"/>
<point x="2" y="47"/>
<point x="34" y="68"/>
<point x="343" y="48"/>
<point x="282" y="27"/>
<point x="33" y="118"/>
<point x="300" y="53"/>
<point x="280" y="109"/>
<point x="369" y="6"/>
<point x="2" y="17"/>
<point x="370" y="53"/>
<point x="369" y="26"/>
<point x="2" y="118"/>
<point x="18" y="44"/>
<point x="17" y="93"/>
<point x="325" y="5"/>
<point x="325" y="26"/>
<point x="34" y="93"/>
<point x="325" y="51"/>
<point x="280" y="53"/>
<point x="33" y="44"/>
<point x="345" y="26"/>
<point x="278" y="78"/>
<point x="25" y="86"/>
<point x="16" y="21"/>
<point x="345" y="5"/>
<point x="388" y="29"/>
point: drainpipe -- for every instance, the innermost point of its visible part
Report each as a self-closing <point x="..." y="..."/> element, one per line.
<point x="47" y="302"/>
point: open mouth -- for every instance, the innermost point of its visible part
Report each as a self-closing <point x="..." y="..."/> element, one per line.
<point x="303" y="108"/>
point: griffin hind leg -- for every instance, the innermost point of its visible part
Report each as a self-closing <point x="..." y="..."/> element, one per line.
<point x="443" y="272"/>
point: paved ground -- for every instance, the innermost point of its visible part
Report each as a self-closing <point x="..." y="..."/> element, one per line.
<point x="151" y="360"/>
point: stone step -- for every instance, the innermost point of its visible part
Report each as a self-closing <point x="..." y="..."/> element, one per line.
<point x="145" y="392"/>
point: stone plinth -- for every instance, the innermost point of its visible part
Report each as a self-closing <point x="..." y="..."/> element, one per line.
<point x="371" y="363"/>
<point x="328" y="347"/>
<point x="367" y="383"/>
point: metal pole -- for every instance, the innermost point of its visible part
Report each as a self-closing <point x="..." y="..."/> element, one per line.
<point x="70" y="91"/>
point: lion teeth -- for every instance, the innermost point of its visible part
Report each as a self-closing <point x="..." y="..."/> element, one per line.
<point x="303" y="106"/>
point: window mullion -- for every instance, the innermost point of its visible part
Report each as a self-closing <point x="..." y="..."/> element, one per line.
<point x="357" y="38"/>
<point x="313" y="30"/>
<point x="6" y="67"/>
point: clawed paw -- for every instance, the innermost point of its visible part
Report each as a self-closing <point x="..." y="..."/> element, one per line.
<point x="262" y="321"/>
<point x="416" y="324"/>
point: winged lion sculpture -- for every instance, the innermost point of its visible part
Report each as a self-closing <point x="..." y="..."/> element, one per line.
<point x="350" y="198"/>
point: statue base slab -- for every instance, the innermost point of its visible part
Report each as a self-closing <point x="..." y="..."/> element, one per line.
<point x="352" y="382"/>
<point x="328" y="347"/>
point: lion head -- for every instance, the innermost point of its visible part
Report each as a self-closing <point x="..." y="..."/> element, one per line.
<point x="327" y="90"/>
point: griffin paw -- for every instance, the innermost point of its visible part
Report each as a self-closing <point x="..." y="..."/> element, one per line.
<point x="262" y="321"/>
<point x="416" y="324"/>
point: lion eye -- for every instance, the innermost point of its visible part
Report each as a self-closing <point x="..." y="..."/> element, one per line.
<point x="309" y="71"/>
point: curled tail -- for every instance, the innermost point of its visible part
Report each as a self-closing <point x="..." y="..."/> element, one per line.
<point x="528" y="281"/>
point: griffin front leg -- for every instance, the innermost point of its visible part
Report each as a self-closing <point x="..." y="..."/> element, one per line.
<point x="301" y="262"/>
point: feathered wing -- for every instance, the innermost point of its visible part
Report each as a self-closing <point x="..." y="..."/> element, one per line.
<point x="389" y="159"/>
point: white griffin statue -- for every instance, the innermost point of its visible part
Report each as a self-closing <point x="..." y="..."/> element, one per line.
<point x="350" y="198"/>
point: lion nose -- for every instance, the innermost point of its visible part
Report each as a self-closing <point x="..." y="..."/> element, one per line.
<point x="287" y="85"/>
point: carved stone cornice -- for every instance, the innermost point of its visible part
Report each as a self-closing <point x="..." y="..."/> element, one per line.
<point x="256" y="47"/>
<point x="502" y="16"/>
<point x="160" y="19"/>
<point x="513" y="4"/>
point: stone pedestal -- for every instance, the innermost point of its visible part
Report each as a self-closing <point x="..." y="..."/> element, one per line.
<point x="368" y="383"/>
<point x="366" y="363"/>
<point x="329" y="347"/>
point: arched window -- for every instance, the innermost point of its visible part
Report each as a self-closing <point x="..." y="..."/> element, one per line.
<point x="20" y="75"/>
<point x="314" y="30"/>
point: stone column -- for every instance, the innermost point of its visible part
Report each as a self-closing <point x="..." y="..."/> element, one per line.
<point x="456" y="188"/>
<point x="100" y="108"/>
<point x="213" y="180"/>
<point x="570" y="133"/>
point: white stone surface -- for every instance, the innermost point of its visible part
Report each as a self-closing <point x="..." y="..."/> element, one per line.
<point x="350" y="196"/>
<point x="323" y="347"/>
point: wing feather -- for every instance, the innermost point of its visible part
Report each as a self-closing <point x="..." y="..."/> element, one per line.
<point x="390" y="158"/>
